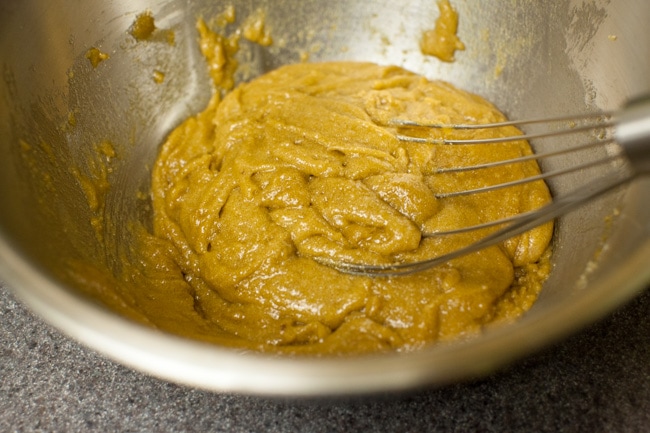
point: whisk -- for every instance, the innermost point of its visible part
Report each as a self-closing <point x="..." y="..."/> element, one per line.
<point x="632" y="137"/>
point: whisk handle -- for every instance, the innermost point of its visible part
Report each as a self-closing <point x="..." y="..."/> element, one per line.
<point x="633" y="134"/>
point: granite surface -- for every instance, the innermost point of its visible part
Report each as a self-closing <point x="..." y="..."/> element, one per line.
<point x="596" y="381"/>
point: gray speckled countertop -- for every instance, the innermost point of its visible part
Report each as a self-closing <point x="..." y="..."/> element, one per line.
<point x="596" y="381"/>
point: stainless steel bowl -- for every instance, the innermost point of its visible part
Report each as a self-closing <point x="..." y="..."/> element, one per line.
<point x="529" y="57"/>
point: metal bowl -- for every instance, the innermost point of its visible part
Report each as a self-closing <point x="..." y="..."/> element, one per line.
<point x="530" y="58"/>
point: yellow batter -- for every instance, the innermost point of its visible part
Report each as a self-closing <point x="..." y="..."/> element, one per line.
<point x="442" y="42"/>
<point x="299" y="165"/>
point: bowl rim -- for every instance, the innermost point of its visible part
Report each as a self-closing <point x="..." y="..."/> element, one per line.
<point x="209" y="367"/>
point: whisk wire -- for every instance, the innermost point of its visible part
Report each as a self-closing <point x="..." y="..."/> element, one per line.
<point x="531" y="157"/>
<point x="597" y="117"/>
<point x="542" y="176"/>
